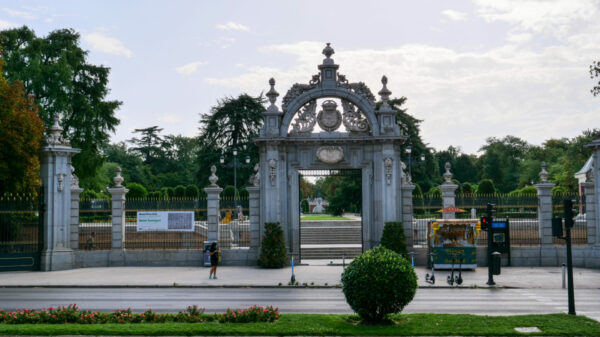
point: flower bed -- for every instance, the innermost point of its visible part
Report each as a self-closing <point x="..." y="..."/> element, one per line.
<point x="193" y="314"/>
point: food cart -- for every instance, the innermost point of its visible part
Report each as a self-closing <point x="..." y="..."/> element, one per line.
<point x="453" y="242"/>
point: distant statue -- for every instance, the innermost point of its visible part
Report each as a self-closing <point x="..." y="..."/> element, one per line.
<point x="319" y="207"/>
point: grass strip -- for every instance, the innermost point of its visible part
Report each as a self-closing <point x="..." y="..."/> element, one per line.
<point x="335" y="325"/>
<point x="322" y="217"/>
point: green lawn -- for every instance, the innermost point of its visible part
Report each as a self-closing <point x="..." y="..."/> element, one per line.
<point x="323" y="217"/>
<point x="335" y="325"/>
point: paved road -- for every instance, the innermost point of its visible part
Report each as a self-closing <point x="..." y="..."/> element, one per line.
<point x="328" y="300"/>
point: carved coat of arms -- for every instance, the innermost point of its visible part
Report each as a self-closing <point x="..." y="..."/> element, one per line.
<point x="329" y="118"/>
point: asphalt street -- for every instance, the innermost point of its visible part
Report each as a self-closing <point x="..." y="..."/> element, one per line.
<point x="301" y="300"/>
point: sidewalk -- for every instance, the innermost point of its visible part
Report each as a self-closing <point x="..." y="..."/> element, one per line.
<point x="320" y="275"/>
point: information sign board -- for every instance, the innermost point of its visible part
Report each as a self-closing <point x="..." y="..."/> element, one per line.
<point x="166" y="221"/>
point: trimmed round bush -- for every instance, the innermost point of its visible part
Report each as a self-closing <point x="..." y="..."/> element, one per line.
<point x="179" y="191"/>
<point x="191" y="191"/>
<point x="486" y="186"/>
<point x="228" y="191"/>
<point x="377" y="283"/>
<point x="136" y="191"/>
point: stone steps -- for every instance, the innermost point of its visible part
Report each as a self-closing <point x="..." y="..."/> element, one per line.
<point x="330" y="253"/>
<point x="322" y="240"/>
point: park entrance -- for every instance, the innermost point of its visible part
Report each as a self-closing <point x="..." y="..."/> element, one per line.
<point x="330" y="215"/>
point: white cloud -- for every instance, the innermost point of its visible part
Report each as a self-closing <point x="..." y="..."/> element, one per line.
<point x="7" y="24"/>
<point x="519" y="38"/>
<point x="454" y="15"/>
<point x="19" y="14"/>
<point x="233" y="26"/>
<point x="190" y="68"/>
<point x="106" y="44"/>
<point x="169" y="118"/>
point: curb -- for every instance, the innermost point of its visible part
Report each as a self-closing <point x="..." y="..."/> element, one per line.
<point x="108" y="286"/>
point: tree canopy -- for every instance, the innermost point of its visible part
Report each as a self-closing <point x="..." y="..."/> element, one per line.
<point x="54" y="69"/>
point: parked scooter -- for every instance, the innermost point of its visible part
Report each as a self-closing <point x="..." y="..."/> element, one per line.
<point x="431" y="278"/>
<point x="456" y="278"/>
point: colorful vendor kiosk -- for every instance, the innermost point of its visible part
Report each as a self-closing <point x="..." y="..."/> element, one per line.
<point x="453" y="241"/>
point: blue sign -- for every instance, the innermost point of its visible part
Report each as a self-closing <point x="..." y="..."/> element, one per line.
<point x="499" y="224"/>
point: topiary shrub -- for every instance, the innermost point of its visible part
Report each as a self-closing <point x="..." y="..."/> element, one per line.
<point x="191" y="191"/>
<point x="136" y="191"/>
<point x="170" y="192"/>
<point x="155" y="195"/>
<point x="179" y="191"/>
<point x="377" y="283"/>
<point x="393" y="238"/>
<point x="243" y="193"/>
<point x="304" y="206"/>
<point x="89" y="194"/>
<point x="272" y="250"/>
<point x="486" y="186"/>
<point x="228" y="192"/>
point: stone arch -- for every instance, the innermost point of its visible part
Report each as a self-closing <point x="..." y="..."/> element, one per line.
<point x="363" y="104"/>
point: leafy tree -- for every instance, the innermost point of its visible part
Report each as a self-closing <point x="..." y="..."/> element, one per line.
<point x="486" y="186"/>
<point x="21" y="133"/>
<point x="149" y="144"/>
<point x="136" y="191"/>
<point x="595" y="73"/>
<point x="54" y="69"/>
<point x="232" y="124"/>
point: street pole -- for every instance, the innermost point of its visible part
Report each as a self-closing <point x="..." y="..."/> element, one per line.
<point x="490" y="281"/>
<point x="567" y="210"/>
<point x="235" y="180"/>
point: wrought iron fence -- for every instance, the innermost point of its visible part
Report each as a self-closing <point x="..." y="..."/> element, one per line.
<point x="426" y="206"/>
<point x="234" y="223"/>
<point x="579" y="230"/>
<point x="95" y="224"/>
<point x="20" y="228"/>
<point x="135" y="239"/>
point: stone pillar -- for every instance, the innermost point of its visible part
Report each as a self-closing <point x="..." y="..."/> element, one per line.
<point x="56" y="180"/>
<point x="213" y="195"/>
<point x="590" y="212"/>
<point x="407" y="211"/>
<point x="544" y="189"/>
<point x="117" y="193"/>
<point x="448" y="193"/>
<point x="75" y="193"/>
<point x="254" y="212"/>
<point x="594" y="177"/>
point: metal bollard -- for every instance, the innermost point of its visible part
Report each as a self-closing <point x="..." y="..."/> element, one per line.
<point x="564" y="270"/>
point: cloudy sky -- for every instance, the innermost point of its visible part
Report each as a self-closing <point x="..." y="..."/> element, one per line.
<point x="470" y="69"/>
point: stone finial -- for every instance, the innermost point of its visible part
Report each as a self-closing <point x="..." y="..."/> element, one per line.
<point x="118" y="179"/>
<point x="74" y="179"/>
<point x="272" y="94"/>
<point x="55" y="136"/>
<point x="256" y="176"/>
<point x="543" y="173"/>
<point x="385" y="92"/>
<point x="328" y="51"/>
<point x="213" y="177"/>
<point x="447" y="174"/>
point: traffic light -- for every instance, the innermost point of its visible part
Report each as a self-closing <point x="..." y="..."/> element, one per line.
<point x="484" y="223"/>
<point x="557" y="229"/>
<point x="568" y="212"/>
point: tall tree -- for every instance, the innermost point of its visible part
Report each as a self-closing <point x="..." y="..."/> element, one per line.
<point x="21" y="133"/>
<point x="54" y="69"/>
<point x="232" y="124"/>
<point x="149" y="144"/>
<point x="595" y="73"/>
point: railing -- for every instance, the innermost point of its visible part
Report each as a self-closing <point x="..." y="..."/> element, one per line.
<point x="426" y="206"/>
<point x="234" y="223"/>
<point x="95" y="224"/>
<point x="19" y="224"/>
<point x="135" y="239"/>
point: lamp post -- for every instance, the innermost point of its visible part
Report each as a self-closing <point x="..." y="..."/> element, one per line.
<point x="408" y="151"/>
<point x="222" y="160"/>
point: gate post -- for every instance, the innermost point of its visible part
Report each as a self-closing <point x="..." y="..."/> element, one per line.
<point x="448" y="192"/>
<point x="595" y="189"/>
<point x="117" y="193"/>
<point x="56" y="179"/>
<point x="75" y="198"/>
<point x="254" y="209"/>
<point x="407" y="211"/>
<point x="544" y="189"/>
<point x="213" y="195"/>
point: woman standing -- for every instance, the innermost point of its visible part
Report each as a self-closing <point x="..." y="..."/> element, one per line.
<point x="214" y="252"/>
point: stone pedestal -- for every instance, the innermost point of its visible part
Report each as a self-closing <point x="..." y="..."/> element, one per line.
<point x="407" y="212"/>
<point x="448" y="198"/>
<point x="74" y="236"/>
<point x="56" y="179"/>
<point x="590" y="213"/>
<point x="213" y="196"/>
<point x="545" y="212"/>
<point x="254" y="213"/>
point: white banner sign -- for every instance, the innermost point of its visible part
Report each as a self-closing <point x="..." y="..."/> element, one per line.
<point x="165" y="221"/>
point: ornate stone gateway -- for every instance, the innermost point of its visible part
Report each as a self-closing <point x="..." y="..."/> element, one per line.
<point x="331" y="124"/>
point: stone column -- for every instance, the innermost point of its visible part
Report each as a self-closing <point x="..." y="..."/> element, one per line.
<point x="595" y="178"/>
<point x="544" y="189"/>
<point x="213" y="195"/>
<point x="407" y="211"/>
<point x="56" y="180"/>
<point x="117" y="193"/>
<point x="254" y="208"/>
<point x="590" y="212"/>
<point x="448" y="193"/>
<point x="75" y="193"/>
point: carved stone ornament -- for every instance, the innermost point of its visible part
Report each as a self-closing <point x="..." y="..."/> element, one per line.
<point x="353" y="119"/>
<point x="405" y="177"/>
<point x="118" y="179"/>
<point x="447" y="174"/>
<point x="213" y="177"/>
<point x="359" y="88"/>
<point x="61" y="181"/>
<point x="295" y="91"/>
<point x="74" y="179"/>
<point x="256" y="177"/>
<point x="387" y="162"/>
<point x="272" y="170"/>
<point x="330" y="154"/>
<point x="543" y="173"/>
<point x="55" y="137"/>
<point x="307" y="118"/>
<point x="329" y="118"/>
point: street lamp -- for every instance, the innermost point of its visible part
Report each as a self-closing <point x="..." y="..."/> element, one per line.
<point x="408" y="151"/>
<point x="222" y="161"/>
